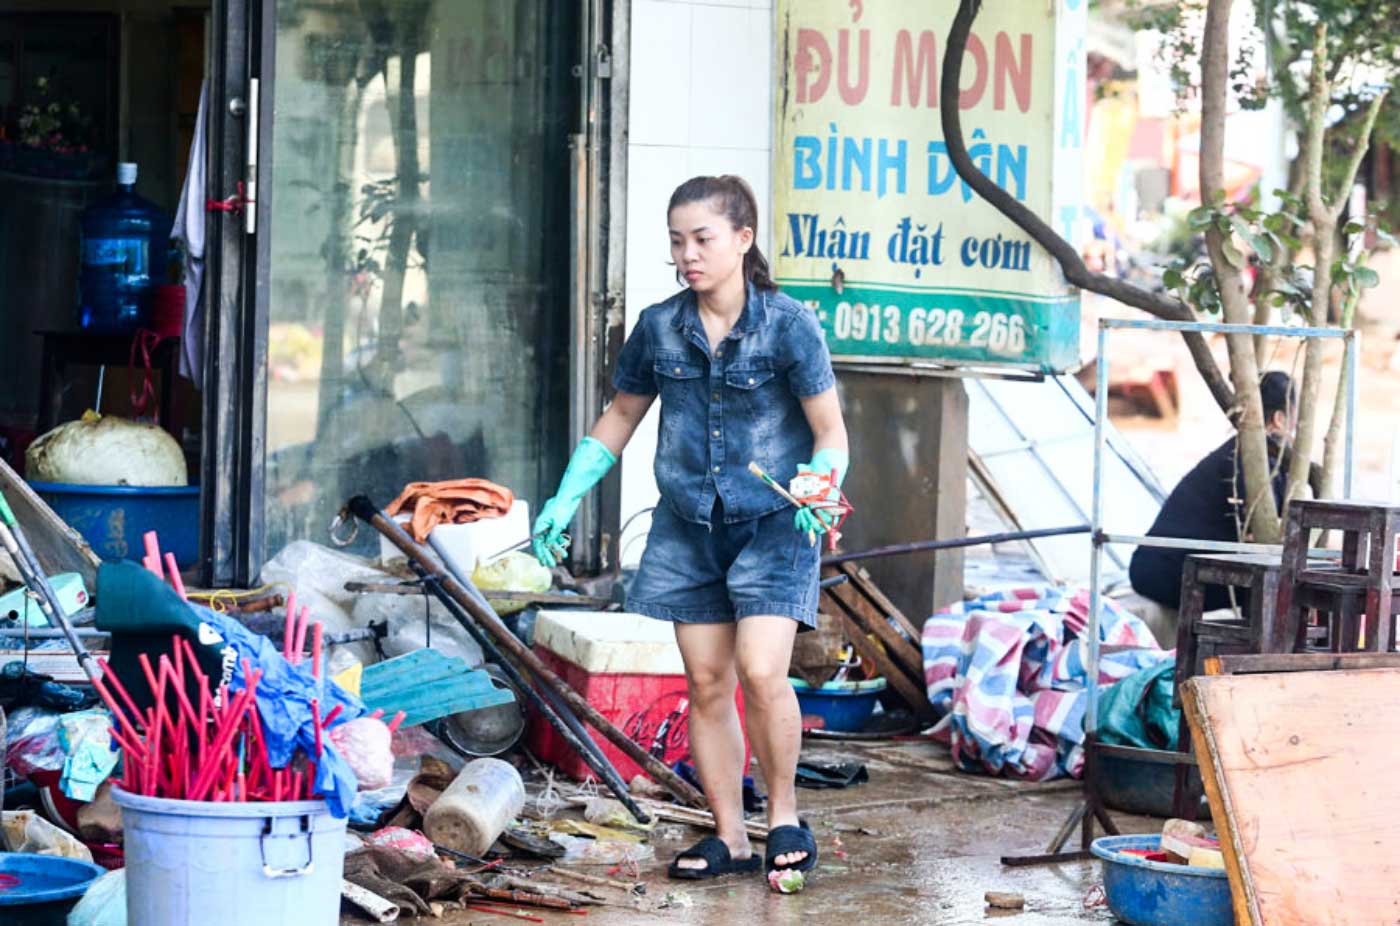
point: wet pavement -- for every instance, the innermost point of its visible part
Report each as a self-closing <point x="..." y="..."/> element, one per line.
<point x="920" y="843"/>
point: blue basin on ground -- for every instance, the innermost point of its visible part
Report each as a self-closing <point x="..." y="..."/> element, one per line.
<point x="843" y="706"/>
<point x="1145" y="893"/>
<point x="39" y="890"/>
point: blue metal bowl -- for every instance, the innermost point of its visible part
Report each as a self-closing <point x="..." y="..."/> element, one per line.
<point x="113" y="518"/>
<point x="48" y="888"/>
<point x="1145" y="893"/>
<point x="843" y="706"/>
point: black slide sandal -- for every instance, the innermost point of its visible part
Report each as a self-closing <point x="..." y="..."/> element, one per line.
<point x="784" y="840"/>
<point x="715" y="854"/>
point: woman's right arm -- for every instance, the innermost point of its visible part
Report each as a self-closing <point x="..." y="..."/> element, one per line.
<point x="616" y="426"/>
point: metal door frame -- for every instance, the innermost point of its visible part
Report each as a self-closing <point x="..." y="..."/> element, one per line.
<point x="241" y="54"/>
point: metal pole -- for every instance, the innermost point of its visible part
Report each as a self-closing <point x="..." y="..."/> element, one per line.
<point x="899" y="549"/>
<point x="1091" y="721"/>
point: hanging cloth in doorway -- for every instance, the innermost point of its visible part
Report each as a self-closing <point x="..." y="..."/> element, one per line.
<point x="189" y="229"/>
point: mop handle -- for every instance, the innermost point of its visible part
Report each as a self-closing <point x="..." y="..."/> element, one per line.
<point x="17" y="545"/>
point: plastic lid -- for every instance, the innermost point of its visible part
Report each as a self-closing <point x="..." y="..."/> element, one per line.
<point x="126" y="173"/>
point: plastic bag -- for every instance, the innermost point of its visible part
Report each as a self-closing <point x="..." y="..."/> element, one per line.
<point x="605" y="811"/>
<point x="86" y="739"/>
<point x="587" y="851"/>
<point x="514" y="572"/>
<point x="412" y="622"/>
<point x="412" y="844"/>
<point x="104" y="904"/>
<point x="365" y="744"/>
<point x="318" y="575"/>
<point x="26" y="831"/>
<point x="32" y="743"/>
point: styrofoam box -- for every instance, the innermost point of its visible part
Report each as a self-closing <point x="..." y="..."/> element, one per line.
<point x="461" y="545"/>
<point x="610" y="642"/>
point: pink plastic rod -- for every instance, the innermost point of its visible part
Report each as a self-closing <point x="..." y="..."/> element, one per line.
<point x="398" y="719"/>
<point x="289" y="636"/>
<point x="175" y="580"/>
<point x="303" y="615"/>
<point x="152" y="551"/>
<point x="316" y="630"/>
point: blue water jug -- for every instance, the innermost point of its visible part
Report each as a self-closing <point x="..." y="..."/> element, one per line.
<point x="126" y="245"/>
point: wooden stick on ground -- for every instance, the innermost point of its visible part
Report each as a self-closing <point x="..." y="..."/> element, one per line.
<point x="597" y="880"/>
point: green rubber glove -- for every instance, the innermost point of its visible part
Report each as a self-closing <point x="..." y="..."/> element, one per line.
<point x="823" y="462"/>
<point x="589" y="464"/>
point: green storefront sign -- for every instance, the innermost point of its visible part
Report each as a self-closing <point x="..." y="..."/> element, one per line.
<point x="966" y="328"/>
<point x="871" y="225"/>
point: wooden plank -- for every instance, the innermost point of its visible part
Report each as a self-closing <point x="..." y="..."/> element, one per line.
<point x="1203" y="746"/>
<point x="416" y="588"/>
<point x="913" y="695"/>
<point x="862" y="581"/>
<point x="906" y="654"/>
<point x="1253" y="664"/>
<point x="58" y="547"/>
<point x="1300" y="773"/>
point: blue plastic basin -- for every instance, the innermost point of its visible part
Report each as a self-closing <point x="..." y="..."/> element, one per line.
<point x="1146" y="893"/>
<point x="843" y="706"/>
<point x="113" y="518"/>
<point x="48" y="888"/>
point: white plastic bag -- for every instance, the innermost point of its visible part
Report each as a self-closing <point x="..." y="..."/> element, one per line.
<point x="318" y="575"/>
<point x="104" y="904"/>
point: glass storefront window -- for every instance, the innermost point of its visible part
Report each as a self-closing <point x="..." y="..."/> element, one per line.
<point x="418" y="311"/>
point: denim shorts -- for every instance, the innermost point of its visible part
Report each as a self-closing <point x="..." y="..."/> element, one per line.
<point x="697" y="574"/>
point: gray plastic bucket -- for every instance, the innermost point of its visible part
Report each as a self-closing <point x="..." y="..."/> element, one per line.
<point x="197" y="863"/>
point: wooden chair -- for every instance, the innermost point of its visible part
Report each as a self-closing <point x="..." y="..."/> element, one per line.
<point x="1362" y="588"/>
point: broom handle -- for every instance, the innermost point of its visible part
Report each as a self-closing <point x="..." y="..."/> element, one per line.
<point x="368" y="512"/>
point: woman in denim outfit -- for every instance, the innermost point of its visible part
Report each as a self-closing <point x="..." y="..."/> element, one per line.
<point x="744" y="375"/>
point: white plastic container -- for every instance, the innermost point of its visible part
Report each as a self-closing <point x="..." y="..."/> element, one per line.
<point x="481" y="801"/>
<point x="202" y="863"/>
<point x="462" y="545"/>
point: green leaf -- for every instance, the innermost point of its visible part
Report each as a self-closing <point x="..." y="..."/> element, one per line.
<point x="1353" y="228"/>
<point x="1274" y="222"/>
<point x="1258" y="242"/>
<point x="1367" y="278"/>
<point x="1200" y="218"/>
<point x="1173" y="279"/>
<point x="1233" y="255"/>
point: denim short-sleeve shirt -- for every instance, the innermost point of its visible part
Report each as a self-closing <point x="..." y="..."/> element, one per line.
<point x="723" y="410"/>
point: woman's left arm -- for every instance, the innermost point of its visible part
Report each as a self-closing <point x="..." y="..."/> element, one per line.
<point x="823" y="412"/>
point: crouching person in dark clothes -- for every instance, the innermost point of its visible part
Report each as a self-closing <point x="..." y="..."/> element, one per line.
<point x="1209" y="503"/>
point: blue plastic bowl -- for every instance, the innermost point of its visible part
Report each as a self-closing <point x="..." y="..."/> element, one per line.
<point x="48" y="888"/>
<point x="113" y="518"/>
<point x="843" y="706"/>
<point x="1147" y="893"/>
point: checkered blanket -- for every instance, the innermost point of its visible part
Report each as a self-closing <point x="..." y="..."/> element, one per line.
<point x="1007" y="672"/>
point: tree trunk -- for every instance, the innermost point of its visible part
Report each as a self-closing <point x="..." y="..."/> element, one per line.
<point x="1331" y="442"/>
<point x="1261" y="521"/>
<point x="1324" y="229"/>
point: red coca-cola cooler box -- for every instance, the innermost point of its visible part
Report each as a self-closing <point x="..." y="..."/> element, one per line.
<point x="629" y="669"/>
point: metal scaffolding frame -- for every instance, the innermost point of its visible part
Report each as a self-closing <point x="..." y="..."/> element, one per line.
<point x="1092" y="808"/>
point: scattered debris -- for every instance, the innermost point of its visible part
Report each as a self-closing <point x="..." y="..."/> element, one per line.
<point x="636" y="888"/>
<point x="371" y="904"/>
<point x="1005" y="900"/>
<point x="676" y="900"/>
<point x="787" y="880"/>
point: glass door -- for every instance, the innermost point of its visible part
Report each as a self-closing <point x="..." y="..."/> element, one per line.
<point x="417" y="260"/>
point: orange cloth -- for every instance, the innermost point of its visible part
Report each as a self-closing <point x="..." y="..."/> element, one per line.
<point x="457" y="501"/>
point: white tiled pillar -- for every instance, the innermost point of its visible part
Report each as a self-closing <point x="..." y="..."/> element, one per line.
<point x="701" y="102"/>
